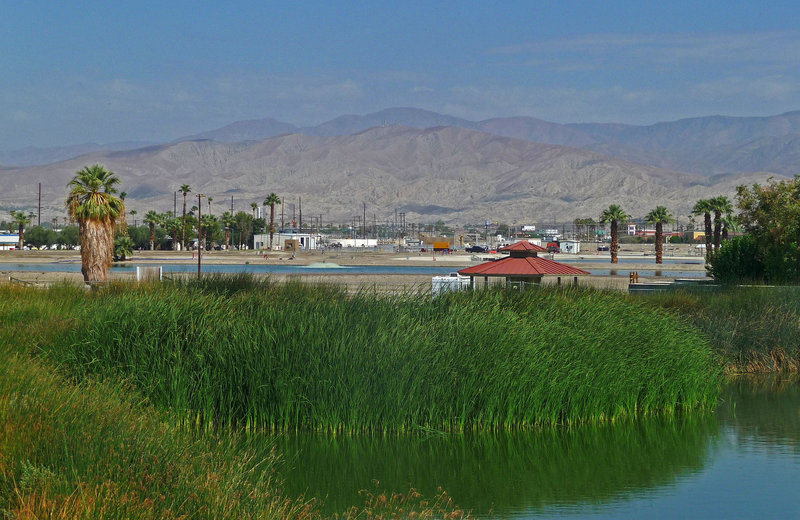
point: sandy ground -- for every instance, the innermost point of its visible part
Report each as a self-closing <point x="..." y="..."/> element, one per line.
<point x="685" y="257"/>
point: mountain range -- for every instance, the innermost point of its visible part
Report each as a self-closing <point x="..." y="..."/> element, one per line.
<point x="432" y="167"/>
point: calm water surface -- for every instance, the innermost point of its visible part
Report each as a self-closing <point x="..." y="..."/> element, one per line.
<point x="742" y="461"/>
<point x="74" y="267"/>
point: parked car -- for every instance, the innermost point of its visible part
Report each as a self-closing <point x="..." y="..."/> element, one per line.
<point x="476" y="249"/>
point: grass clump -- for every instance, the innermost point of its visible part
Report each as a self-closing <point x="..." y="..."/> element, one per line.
<point x="286" y="357"/>
<point x="754" y="329"/>
<point x="93" y="450"/>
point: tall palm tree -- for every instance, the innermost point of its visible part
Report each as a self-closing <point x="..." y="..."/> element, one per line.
<point x="615" y="215"/>
<point x="228" y="221"/>
<point x="20" y="219"/>
<point x="730" y="222"/>
<point x="659" y="217"/>
<point x="172" y="224"/>
<point x="133" y="214"/>
<point x="254" y="205"/>
<point x="91" y="202"/>
<point x="210" y="199"/>
<point x="185" y="189"/>
<point x="152" y="219"/>
<point x="720" y="205"/>
<point x="122" y="222"/>
<point x="270" y="201"/>
<point x="704" y="207"/>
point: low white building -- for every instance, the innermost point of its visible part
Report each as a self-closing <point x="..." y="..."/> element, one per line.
<point x="570" y="246"/>
<point x="9" y="242"/>
<point x="357" y="242"/>
<point x="305" y="241"/>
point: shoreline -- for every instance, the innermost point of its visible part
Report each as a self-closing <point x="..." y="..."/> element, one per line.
<point x="631" y="261"/>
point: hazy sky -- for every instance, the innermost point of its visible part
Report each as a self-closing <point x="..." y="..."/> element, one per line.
<point x="73" y="72"/>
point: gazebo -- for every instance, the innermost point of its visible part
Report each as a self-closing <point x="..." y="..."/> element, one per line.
<point x="523" y="264"/>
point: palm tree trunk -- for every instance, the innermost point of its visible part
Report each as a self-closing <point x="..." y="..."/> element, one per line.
<point x="152" y="236"/>
<point x="271" y="224"/>
<point x="183" y="231"/>
<point x="97" y="249"/>
<point x="707" y="223"/>
<point x="21" y="233"/>
<point x="614" y="241"/>
<point x="717" y="227"/>
<point x="659" y="243"/>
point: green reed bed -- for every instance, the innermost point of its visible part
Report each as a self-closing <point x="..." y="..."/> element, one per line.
<point x="93" y="450"/>
<point x="755" y="329"/>
<point x="287" y="357"/>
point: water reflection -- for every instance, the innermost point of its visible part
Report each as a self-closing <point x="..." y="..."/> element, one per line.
<point x="679" y="464"/>
<point x="764" y="410"/>
<point x="507" y="472"/>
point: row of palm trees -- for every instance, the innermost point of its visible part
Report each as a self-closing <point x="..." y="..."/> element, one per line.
<point x="93" y="203"/>
<point x="720" y="206"/>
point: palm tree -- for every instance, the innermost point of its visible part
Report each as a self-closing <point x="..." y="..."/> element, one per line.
<point x="122" y="222"/>
<point x="172" y="224"/>
<point x="659" y="217"/>
<point x="730" y="222"/>
<point x="20" y="219"/>
<point x="270" y="201"/>
<point x="209" y="204"/>
<point x="91" y="202"/>
<point x="133" y="213"/>
<point x="614" y="214"/>
<point x="719" y="205"/>
<point x="185" y="189"/>
<point x="152" y="219"/>
<point x="254" y="205"/>
<point x="704" y="207"/>
<point x="228" y="221"/>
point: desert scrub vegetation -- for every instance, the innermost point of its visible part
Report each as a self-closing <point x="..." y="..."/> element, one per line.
<point x="754" y="329"/>
<point x="252" y="354"/>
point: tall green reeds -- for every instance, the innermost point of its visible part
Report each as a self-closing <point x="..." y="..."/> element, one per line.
<point x="92" y="450"/>
<point x="755" y="329"/>
<point x="301" y="357"/>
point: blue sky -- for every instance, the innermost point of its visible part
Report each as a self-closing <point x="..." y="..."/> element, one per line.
<point x="75" y="72"/>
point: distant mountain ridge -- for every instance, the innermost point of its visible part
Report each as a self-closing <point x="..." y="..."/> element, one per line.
<point x="447" y="172"/>
<point x="704" y="146"/>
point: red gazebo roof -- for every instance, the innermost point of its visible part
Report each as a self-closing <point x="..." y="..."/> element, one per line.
<point x="524" y="266"/>
<point x="524" y="245"/>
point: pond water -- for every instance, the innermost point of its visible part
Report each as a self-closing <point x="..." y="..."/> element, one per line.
<point x="74" y="267"/>
<point x="742" y="461"/>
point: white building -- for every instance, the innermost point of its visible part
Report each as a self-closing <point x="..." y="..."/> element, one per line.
<point x="305" y="241"/>
<point x="570" y="246"/>
<point x="9" y="242"/>
<point x="358" y="242"/>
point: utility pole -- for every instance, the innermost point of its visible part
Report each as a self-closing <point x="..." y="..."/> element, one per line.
<point x="39" y="215"/>
<point x="364" y="225"/>
<point x="174" y="203"/>
<point x="199" y="231"/>
<point x="282" y="204"/>
<point x="231" y="204"/>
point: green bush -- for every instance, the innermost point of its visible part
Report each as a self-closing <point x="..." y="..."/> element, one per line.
<point x="743" y="259"/>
